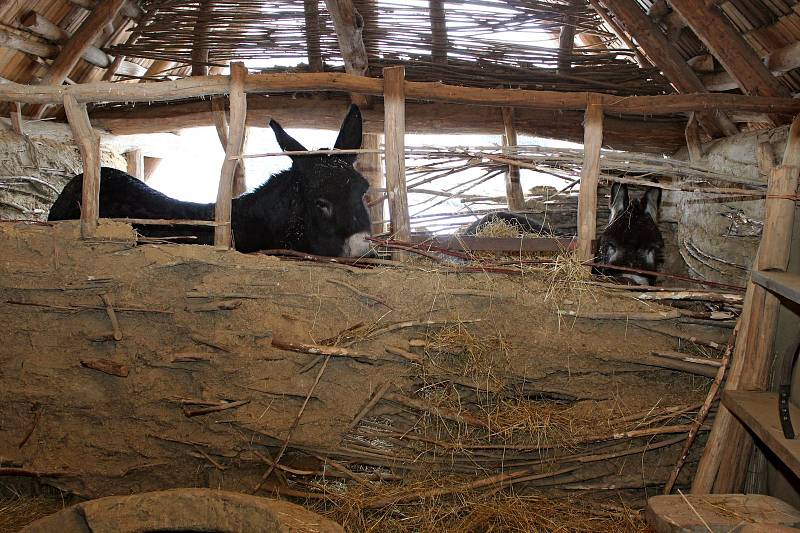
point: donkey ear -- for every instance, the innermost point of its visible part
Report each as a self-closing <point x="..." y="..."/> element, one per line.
<point x="350" y="134"/>
<point x="652" y="202"/>
<point x="285" y="141"/>
<point x="619" y="199"/>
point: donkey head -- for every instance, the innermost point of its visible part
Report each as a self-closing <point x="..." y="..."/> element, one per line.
<point x="632" y="238"/>
<point x="331" y="192"/>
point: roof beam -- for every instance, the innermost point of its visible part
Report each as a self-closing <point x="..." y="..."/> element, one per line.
<point x="658" y="48"/>
<point x="649" y="135"/>
<point x="81" y="40"/>
<point x="349" y="25"/>
<point x="438" y="31"/>
<point x="777" y="62"/>
<point x="737" y="57"/>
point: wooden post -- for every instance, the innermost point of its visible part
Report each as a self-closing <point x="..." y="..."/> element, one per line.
<point x="369" y="164"/>
<point x="566" y="42"/>
<point x="438" y="31"/>
<point x="395" y="155"/>
<point x="16" y="119"/>
<point x="135" y="159"/>
<point x="89" y="145"/>
<point x="349" y="25"/>
<point x="222" y="211"/>
<point x="516" y="198"/>
<point x="311" y="8"/>
<point x="200" y="42"/>
<point x="587" y="199"/>
<point x="221" y="125"/>
<point x="723" y="466"/>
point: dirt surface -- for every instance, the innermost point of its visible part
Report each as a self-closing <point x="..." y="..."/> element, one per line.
<point x="197" y="326"/>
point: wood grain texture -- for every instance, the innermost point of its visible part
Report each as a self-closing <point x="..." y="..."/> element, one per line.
<point x="238" y="103"/>
<point x="394" y="135"/>
<point x="89" y="145"/>
<point x="587" y="199"/>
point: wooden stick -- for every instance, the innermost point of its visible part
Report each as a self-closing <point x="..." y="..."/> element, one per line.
<point x="449" y="414"/>
<point x="413" y="324"/>
<point x="107" y="367"/>
<point x="679" y="356"/>
<point x="703" y="414"/>
<point x="359" y="292"/>
<point x="112" y="316"/>
<point x="655" y="315"/>
<point x="587" y="200"/>
<point x="89" y="144"/>
<point x="167" y="222"/>
<point x="689" y="338"/>
<point x="379" y="394"/>
<point x="293" y="426"/>
<point x="691" y="295"/>
<point x="318" y="349"/>
<point x="36" y="417"/>
<point x="514" y="194"/>
<point x="214" y="408"/>
<point x="222" y="210"/>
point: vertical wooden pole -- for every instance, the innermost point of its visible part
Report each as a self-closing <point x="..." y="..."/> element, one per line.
<point x="135" y="159"/>
<point x="438" y="31"/>
<point x="221" y="125"/>
<point x="16" y="119"/>
<point x="587" y="199"/>
<point x="369" y="164"/>
<point x="150" y="166"/>
<point x="89" y="145"/>
<point x="222" y="211"/>
<point x="723" y="466"/>
<point x="394" y="134"/>
<point x="311" y="8"/>
<point x="514" y="194"/>
<point x="200" y="42"/>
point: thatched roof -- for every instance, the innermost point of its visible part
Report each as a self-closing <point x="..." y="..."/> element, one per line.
<point x="606" y="45"/>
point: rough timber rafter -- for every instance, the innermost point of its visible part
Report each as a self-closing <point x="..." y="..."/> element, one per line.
<point x="730" y="48"/>
<point x="658" y="48"/>
<point x="349" y="25"/>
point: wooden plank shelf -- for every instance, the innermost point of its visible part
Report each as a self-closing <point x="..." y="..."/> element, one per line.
<point x="782" y="283"/>
<point x="759" y="412"/>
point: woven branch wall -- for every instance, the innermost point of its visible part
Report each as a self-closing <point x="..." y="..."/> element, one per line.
<point x="398" y="33"/>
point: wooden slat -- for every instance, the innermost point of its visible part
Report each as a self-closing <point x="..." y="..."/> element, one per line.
<point x="723" y="466"/>
<point x="89" y="145"/>
<point x="39" y="25"/>
<point x="238" y="102"/>
<point x="590" y="171"/>
<point x="394" y="135"/>
<point x="759" y="412"/>
<point x="730" y="48"/>
<point x="666" y="57"/>
<point x="516" y="198"/>
<point x="784" y="283"/>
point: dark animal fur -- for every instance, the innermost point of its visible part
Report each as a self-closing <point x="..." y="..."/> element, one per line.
<point x="632" y="238"/>
<point x="313" y="207"/>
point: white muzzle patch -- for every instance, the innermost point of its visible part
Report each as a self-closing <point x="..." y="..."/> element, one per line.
<point x="637" y="279"/>
<point x="356" y="245"/>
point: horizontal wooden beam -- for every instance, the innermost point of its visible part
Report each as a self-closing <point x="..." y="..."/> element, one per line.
<point x="777" y="62"/>
<point x="650" y="135"/>
<point x="201" y="86"/>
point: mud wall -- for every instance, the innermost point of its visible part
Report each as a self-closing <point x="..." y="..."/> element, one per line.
<point x="35" y="167"/>
<point x="99" y="415"/>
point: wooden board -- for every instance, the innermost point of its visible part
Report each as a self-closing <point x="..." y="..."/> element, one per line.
<point x="782" y="283"/>
<point x="759" y="412"/>
<point x="721" y="513"/>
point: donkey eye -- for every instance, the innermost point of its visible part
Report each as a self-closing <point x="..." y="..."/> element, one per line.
<point x="325" y="206"/>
